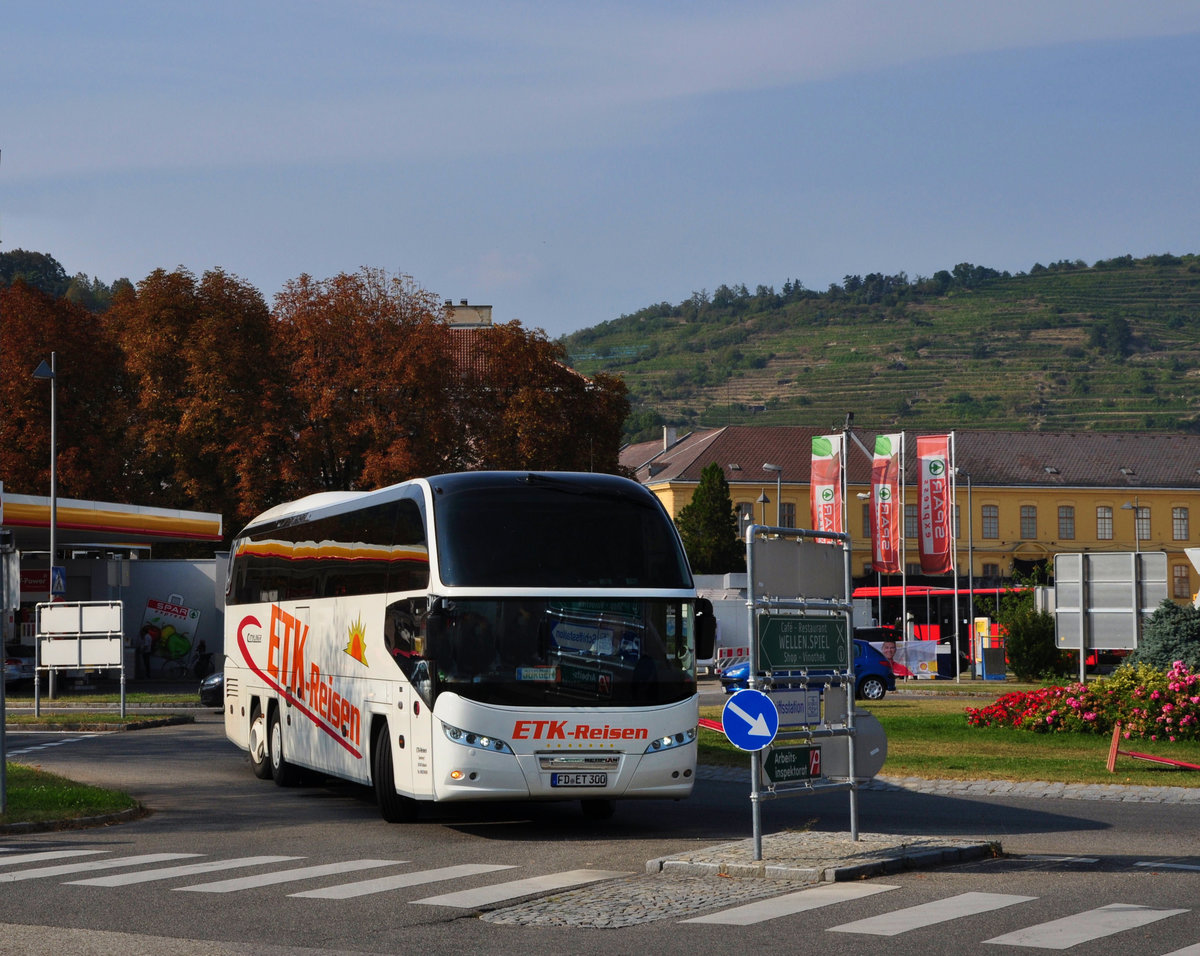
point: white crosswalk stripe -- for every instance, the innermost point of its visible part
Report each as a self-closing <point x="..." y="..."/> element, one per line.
<point x="41" y="855"/>
<point x="89" y="866"/>
<point x="190" y="869"/>
<point x="927" y="914"/>
<point x="486" y="895"/>
<point x="399" y="881"/>
<point x="1082" y="927"/>
<point x="45" y="745"/>
<point x="287" y="876"/>
<point x="824" y="894"/>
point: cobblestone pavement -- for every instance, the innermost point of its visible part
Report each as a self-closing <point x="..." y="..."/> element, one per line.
<point x="689" y="883"/>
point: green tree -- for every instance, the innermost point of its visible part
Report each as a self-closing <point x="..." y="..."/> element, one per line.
<point x="1029" y="640"/>
<point x="1171" y="633"/>
<point x="708" y="526"/>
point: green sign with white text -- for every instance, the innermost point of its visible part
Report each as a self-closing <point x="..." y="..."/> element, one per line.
<point x="799" y="643"/>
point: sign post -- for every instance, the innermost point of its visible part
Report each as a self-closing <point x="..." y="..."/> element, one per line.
<point x="798" y="609"/>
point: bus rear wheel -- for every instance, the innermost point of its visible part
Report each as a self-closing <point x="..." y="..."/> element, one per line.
<point x="284" y="773"/>
<point x="393" y="807"/>
<point x="260" y="756"/>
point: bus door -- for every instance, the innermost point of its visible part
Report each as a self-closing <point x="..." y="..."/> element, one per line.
<point x="420" y="742"/>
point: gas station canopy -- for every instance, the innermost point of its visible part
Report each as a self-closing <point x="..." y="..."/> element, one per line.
<point x="98" y="524"/>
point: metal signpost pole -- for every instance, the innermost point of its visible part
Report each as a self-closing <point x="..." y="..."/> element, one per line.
<point x="752" y="683"/>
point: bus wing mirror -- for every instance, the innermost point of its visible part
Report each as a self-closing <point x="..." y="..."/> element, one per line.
<point x="706" y="629"/>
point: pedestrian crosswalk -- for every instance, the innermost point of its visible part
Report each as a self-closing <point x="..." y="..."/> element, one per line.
<point x="84" y="864"/>
<point x="888" y="908"/>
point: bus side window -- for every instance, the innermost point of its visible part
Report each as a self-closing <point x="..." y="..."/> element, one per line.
<point x="402" y="633"/>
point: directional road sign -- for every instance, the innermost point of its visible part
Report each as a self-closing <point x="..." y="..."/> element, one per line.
<point x="750" y="720"/>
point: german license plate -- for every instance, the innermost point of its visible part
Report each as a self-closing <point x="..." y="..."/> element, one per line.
<point x="579" y="779"/>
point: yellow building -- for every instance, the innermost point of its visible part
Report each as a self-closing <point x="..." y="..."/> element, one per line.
<point x="1021" y="497"/>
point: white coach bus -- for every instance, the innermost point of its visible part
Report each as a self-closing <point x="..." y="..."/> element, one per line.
<point x="476" y="636"/>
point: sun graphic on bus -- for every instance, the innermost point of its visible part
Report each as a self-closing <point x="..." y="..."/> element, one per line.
<point x="357" y="648"/>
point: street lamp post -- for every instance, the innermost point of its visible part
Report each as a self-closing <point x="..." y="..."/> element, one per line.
<point x="778" y="469"/>
<point x="1135" y="507"/>
<point x="44" y="371"/>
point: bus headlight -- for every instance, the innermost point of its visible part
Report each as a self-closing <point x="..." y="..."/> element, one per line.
<point x="671" y="741"/>
<point x="479" y="741"/>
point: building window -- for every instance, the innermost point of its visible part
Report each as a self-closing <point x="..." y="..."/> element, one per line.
<point x="745" y="514"/>
<point x="1143" y="523"/>
<point x="787" y="515"/>
<point x="912" y="570"/>
<point x="1182" y="580"/>
<point x="991" y="572"/>
<point x="866" y="518"/>
<point x="991" y="521"/>
<point x="1029" y="522"/>
<point x="1104" y="523"/>
<point x="1179" y="524"/>
<point x="1066" y="522"/>
<point x="911" y="521"/>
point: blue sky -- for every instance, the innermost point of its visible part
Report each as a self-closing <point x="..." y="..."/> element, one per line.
<point x="567" y="163"/>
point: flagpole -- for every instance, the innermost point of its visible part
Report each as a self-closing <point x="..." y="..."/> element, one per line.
<point x="954" y="550"/>
<point x="904" y="545"/>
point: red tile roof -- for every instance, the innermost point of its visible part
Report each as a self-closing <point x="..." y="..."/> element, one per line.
<point x="1033" y="459"/>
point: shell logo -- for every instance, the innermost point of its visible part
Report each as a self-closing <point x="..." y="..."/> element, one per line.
<point x="357" y="646"/>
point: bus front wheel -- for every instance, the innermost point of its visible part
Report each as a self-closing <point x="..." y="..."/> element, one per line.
<point x="393" y="807"/>
<point x="284" y="773"/>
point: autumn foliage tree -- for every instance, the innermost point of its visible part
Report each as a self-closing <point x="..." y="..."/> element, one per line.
<point x="365" y="360"/>
<point x="89" y="395"/>
<point x="202" y="425"/>
<point x="191" y="393"/>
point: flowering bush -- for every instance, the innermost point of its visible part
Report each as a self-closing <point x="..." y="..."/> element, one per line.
<point x="1149" y="703"/>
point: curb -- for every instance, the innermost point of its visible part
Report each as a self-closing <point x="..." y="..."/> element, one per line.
<point x="78" y="823"/>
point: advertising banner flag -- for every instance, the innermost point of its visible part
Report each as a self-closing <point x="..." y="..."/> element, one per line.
<point x="937" y="529"/>
<point x="825" y="485"/>
<point x="886" y="505"/>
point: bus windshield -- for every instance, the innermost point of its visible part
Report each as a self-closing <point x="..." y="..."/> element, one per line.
<point x="547" y="652"/>
<point x="544" y="532"/>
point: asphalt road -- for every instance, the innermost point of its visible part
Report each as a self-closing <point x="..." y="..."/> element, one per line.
<point x="1070" y="860"/>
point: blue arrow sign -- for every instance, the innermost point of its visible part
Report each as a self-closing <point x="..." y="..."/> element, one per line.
<point x="750" y="720"/>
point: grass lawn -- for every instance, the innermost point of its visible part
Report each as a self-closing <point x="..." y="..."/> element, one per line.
<point x="34" y="796"/>
<point x="929" y="737"/>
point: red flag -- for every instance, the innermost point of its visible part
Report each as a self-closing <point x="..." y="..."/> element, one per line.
<point x="936" y="538"/>
<point x="886" y="505"/>
<point x="825" y="484"/>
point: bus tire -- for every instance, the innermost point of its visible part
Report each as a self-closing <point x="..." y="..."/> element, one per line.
<point x="260" y="748"/>
<point x="598" y="809"/>
<point x="284" y="773"/>
<point x="393" y="807"/>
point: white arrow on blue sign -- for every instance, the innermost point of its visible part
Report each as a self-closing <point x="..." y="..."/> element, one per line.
<point x="750" y="720"/>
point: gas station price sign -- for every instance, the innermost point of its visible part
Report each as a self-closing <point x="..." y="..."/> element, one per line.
<point x="797" y="642"/>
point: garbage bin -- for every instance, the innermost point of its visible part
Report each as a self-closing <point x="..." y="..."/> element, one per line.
<point x="992" y="663"/>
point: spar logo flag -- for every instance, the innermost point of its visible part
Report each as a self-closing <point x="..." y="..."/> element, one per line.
<point x="825" y="485"/>
<point x="933" y="453"/>
<point x="885" y="503"/>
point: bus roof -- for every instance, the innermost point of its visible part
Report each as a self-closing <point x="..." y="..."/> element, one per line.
<point x="330" y="501"/>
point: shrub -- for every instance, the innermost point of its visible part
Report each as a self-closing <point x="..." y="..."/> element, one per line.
<point x="1148" y="702"/>
<point x="1172" y="633"/>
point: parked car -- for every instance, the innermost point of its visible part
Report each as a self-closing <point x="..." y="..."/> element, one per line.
<point x="212" y="690"/>
<point x="19" y="664"/>
<point x="872" y="673"/>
